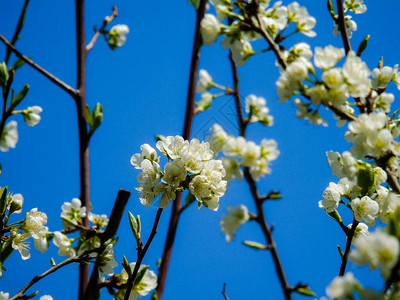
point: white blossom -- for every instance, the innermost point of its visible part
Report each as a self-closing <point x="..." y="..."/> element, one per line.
<point x="98" y="220"/>
<point x="365" y="209"/>
<point x="106" y="262"/>
<point x="205" y="102"/>
<point x="382" y="76"/>
<point x="237" y="215"/>
<point x="18" y="243"/>
<point x="9" y="137"/>
<point x="148" y="152"/>
<point x="240" y="47"/>
<point x="232" y="168"/>
<point x="151" y="172"/>
<point x="15" y="203"/>
<point x="331" y="199"/>
<point x="209" y="29"/>
<point x="31" y="115"/>
<point x="355" y="6"/>
<point x="34" y="223"/>
<point x="350" y="27"/>
<point x="64" y="244"/>
<point x="117" y="36"/>
<point x="256" y="108"/>
<point x="342" y="287"/>
<point x="234" y="146"/>
<point x="172" y="146"/>
<point x="361" y="231"/>
<point x="41" y="244"/>
<point x="299" y="15"/>
<point x="73" y="211"/>
<point x="204" y="82"/>
<point x="46" y="297"/>
<point x="4" y="296"/>
<point x="217" y="139"/>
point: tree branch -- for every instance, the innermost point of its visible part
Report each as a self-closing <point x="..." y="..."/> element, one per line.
<point x="107" y="20"/>
<point x="20" y="25"/>
<point x="347" y="251"/>
<point x="141" y="253"/>
<point x="190" y="104"/>
<point x="224" y="293"/>
<point x="92" y="290"/>
<point x="341" y="22"/>
<point x="258" y="200"/>
<point x="50" y="76"/>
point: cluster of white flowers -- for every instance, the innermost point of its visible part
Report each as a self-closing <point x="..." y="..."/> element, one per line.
<point x="257" y="110"/>
<point x="371" y="136"/>
<point x="143" y="288"/>
<point x="190" y="166"/>
<point x="237" y="216"/>
<point x="355" y="6"/>
<point x="106" y="262"/>
<point x="342" y="287"/>
<point x="378" y="249"/>
<point x="116" y="37"/>
<point x="73" y="212"/>
<point x="9" y="136"/>
<point x="256" y="157"/>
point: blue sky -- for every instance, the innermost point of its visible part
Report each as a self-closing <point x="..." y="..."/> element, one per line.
<point x="143" y="87"/>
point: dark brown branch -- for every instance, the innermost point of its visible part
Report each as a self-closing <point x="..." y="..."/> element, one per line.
<point x="190" y="104"/>
<point x="341" y="22"/>
<point x="80" y="100"/>
<point x="17" y="31"/>
<point x="50" y="76"/>
<point x="258" y="200"/>
<point x="79" y="258"/>
<point x="107" y="20"/>
<point x="224" y="293"/>
<point x="141" y="254"/>
<point x="345" y="257"/>
<point x="92" y="290"/>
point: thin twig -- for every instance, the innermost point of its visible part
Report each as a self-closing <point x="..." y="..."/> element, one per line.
<point x="258" y="200"/>
<point x="345" y="257"/>
<point x="17" y="31"/>
<point x="107" y="20"/>
<point x="92" y="290"/>
<point x="190" y="104"/>
<point x="224" y="293"/>
<point x="50" y="76"/>
<point x="141" y="254"/>
<point x="341" y="22"/>
<point x="79" y="258"/>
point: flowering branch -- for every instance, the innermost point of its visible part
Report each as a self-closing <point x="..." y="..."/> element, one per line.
<point x="190" y="104"/>
<point x="50" y="76"/>
<point x="347" y="251"/>
<point x="260" y="219"/>
<point x="107" y="20"/>
<point x="17" y="31"/>
<point x="92" y="290"/>
<point x="141" y="252"/>
<point x="341" y="22"/>
<point x="82" y="257"/>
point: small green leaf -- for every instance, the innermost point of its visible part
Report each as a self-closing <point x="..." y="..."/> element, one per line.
<point x="255" y="245"/>
<point x="3" y="200"/>
<point x="275" y="195"/>
<point x="139" y="224"/>
<point x="3" y="75"/>
<point x="134" y="226"/>
<point x="189" y="199"/>
<point x="52" y="262"/>
<point x="32" y="295"/>
<point x="331" y="9"/>
<point x="363" y="45"/>
<point x="159" y="137"/>
<point x="305" y="291"/>
<point x="88" y="114"/>
<point x="5" y="251"/>
<point x="140" y="275"/>
<point x="126" y="265"/>
<point x="335" y="215"/>
<point x="20" y="96"/>
<point x="154" y="296"/>
<point x="97" y="116"/>
<point x="18" y="64"/>
<point x="340" y="251"/>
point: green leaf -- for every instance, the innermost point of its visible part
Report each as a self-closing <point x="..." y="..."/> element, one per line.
<point x="275" y="195"/>
<point x="88" y="114"/>
<point x="363" y="45"/>
<point x="189" y="199"/>
<point x="154" y="296"/>
<point x="52" y="262"/>
<point x="20" y="96"/>
<point x="32" y="295"/>
<point x="331" y="9"/>
<point x="335" y="215"/>
<point x="126" y="265"/>
<point x="18" y="64"/>
<point x="340" y="251"/>
<point x="255" y="245"/>
<point x="3" y="200"/>
<point x="5" y="251"/>
<point x="97" y="116"/>
<point x="134" y="226"/>
<point x="3" y="75"/>
<point x="305" y="291"/>
<point x="366" y="179"/>
<point x="159" y="137"/>
<point x="140" y="275"/>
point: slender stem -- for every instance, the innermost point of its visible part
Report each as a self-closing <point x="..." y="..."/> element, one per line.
<point x="190" y="104"/>
<point x="341" y="22"/>
<point x="92" y="290"/>
<point x="107" y="20"/>
<point x="50" y="76"/>
<point x="258" y="200"/>
<point x="224" y="292"/>
<point x="17" y="31"/>
<point x="20" y="294"/>
<point x="345" y="257"/>
<point x="80" y="99"/>
<point x="141" y="254"/>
